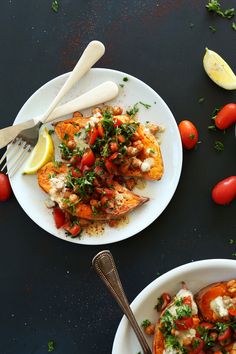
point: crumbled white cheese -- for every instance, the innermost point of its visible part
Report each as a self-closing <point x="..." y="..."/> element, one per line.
<point x="147" y="164"/>
<point x="80" y="140"/>
<point x="170" y="350"/>
<point x="161" y="128"/>
<point x="183" y="335"/>
<point x="97" y="116"/>
<point x="58" y="182"/>
<point x="49" y="203"/>
<point x="218" y="306"/>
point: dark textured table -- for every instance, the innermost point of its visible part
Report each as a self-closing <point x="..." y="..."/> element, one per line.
<point x="48" y="289"/>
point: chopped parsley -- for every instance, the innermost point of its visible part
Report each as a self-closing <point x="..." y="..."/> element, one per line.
<point x="214" y="6"/>
<point x="51" y="131"/>
<point x="121" y="85"/>
<point x="57" y="164"/>
<point x="212" y="127"/>
<point x="52" y="175"/>
<point x="183" y="311"/>
<point x="201" y="99"/>
<point x="166" y="321"/>
<point x="146" y="105"/>
<point x="81" y="185"/>
<point x="55" y="6"/>
<point x="159" y="304"/>
<point x="231" y="241"/>
<point x="179" y="301"/>
<point x="234" y="26"/>
<point x="51" y="346"/>
<point x="219" y="146"/>
<point x="132" y="112"/>
<point x="145" y="324"/>
<point x="125" y="79"/>
<point x="221" y="327"/>
<point x="213" y="29"/>
<point x="172" y="342"/>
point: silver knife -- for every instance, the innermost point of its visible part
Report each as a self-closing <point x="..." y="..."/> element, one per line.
<point x="100" y="94"/>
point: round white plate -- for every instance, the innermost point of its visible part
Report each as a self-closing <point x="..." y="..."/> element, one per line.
<point x="32" y="198"/>
<point x="195" y="274"/>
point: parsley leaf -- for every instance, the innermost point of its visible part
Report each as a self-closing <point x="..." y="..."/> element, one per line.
<point x="145" y="324"/>
<point x="214" y="6"/>
<point x="147" y="106"/>
<point x="55" y="6"/>
<point x="234" y="26"/>
<point x="125" y="79"/>
<point x="51" y="346"/>
<point x="219" y="146"/>
<point x="213" y="29"/>
<point x="133" y="110"/>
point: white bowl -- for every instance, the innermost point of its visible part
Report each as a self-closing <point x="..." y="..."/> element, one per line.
<point x="196" y="275"/>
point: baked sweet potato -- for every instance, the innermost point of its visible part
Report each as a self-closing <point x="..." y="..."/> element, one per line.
<point x="124" y="200"/>
<point x="206" y="300"/>
<point x="70" y="127"/>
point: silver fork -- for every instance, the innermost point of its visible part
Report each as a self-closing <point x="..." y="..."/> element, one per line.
<point x="28" y="138"/>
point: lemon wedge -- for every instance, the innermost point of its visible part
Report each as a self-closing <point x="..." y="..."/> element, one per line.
<point x="218" y="70"/>
<point x="42" y="153"/>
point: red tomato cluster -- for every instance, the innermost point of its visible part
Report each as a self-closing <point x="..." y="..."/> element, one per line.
<point x="224" y="192"/>
<point x="60" y="221"/>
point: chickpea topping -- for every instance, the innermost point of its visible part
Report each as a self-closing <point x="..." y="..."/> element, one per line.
<point x="73" y="198"/>
<point x="135" y="163"/>
<point x="187" y="341"/>
<point x="96" y="110"/>
<point x="77" y="114"/>
<point x="94" y="203"/>
<point x="117" y="110"/>
<point x="132" y="151"/>
<point x="231" y="285"/>
<point x="71" y="144"/>
<point x="139" y="145"/>
<point x="150" y="330"/>
<point x="135" y="136"/>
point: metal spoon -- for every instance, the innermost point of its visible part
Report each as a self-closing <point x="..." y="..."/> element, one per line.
<point x="104" y="265"/>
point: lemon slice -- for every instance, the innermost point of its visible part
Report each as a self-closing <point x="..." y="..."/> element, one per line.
<point x="42" y="153"/>
<point x="218" y="70"/>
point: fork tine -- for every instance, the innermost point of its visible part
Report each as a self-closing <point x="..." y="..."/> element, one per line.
<point x="19" y="159"/>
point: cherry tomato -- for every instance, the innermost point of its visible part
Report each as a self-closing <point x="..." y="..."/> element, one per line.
<point x="114" y="156"/>
<point x="100" y="130"/>
<point x="75" y="160"/>
<point x="184" y="323"/>
<point x="110" y="166"/>
<point x="59" y="217"/>
<point x="117" y="122"/>
<point x="88" y="158"/>
<point x="166" y="299"/>
<point x="225" y="335"/>
<point x="226" y="116"/>
<point x="93" y="134"/>
<point x="187" y="301"/>
<point x="188" y="133"/>
<point x="206" y="325"/>
<point x="121" y="138"/>
<point x="113" y="146"/>
<point x="73" y="229"/>
<point x="232" y="311"/>
<point x="224" y="191"/>
<point x="76" y="172"/>
<point x="198" y="348"/>
<point x="5" y="187"/>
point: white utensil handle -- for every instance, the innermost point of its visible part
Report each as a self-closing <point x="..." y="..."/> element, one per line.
<point x="90" y="56"/>
<point x="100" y="94"/>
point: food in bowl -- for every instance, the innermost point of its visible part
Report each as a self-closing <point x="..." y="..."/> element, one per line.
<point x="101" y="158"/>
<point x="200" y="323"/>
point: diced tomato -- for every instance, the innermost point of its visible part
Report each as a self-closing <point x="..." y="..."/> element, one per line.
<point x="121" y="138"/>
<point x="100" y="130"/>
<point x="199" y="346"/>
<point x="184" y="323"/>
<point x="113" y="146"/>
<point x="218" y="352"/>
<point x="72" y="229"/>
<point x="99" y="171"/>
<point x="225" y="335"/>
<point x="110" y="166"/>
<point x="187" y="301"/>
<point x="109" y="180"/>
<point x="104" y="200"/>
<point x="108" y="192"/>
<point x="206" y="325"/>
<point x="76" y="173"/>
<point x="88" y="158"/>
<point x="59" y="217"/>
<point x="117" y="122"/>
<point x="75" y="160"/>
<point x="114" y="156"/>
<point x="232" y="311"/>
<point x="93" y="134"/>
